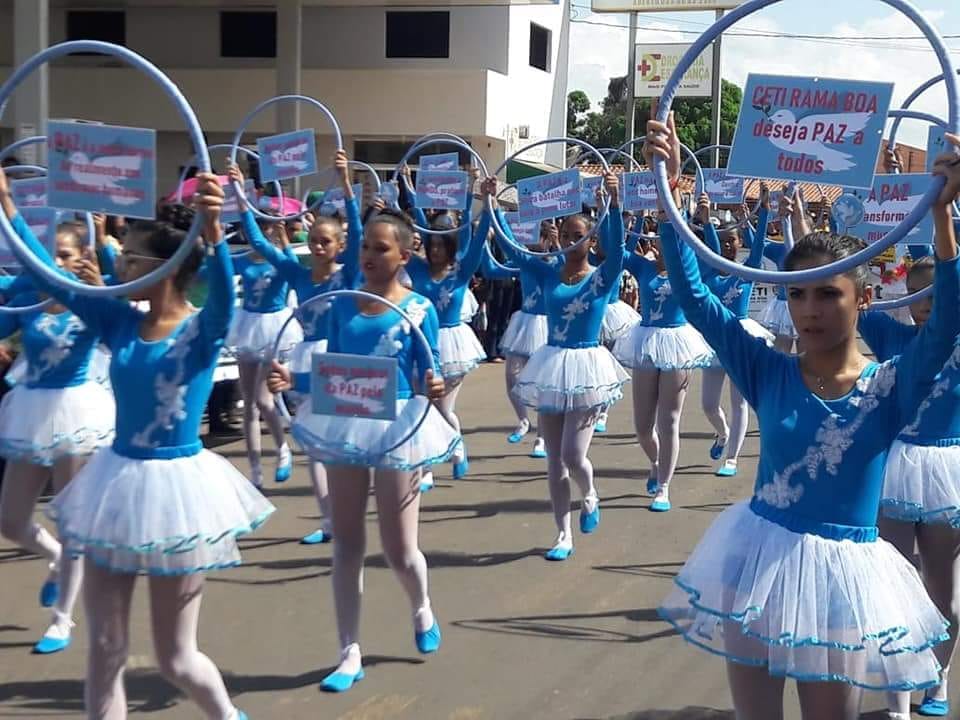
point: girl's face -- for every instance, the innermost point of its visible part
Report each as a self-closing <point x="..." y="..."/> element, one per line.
<point x="381" y="255"/>
<point x="68" y="254"/>
<point x="920" y="310"/>
<point x="730" y="245"/>
<point x="437" y="249"/>
<point x="135" y="261"/>
<point x="825" y="312"/>
<point x="324" y="242"/>
<point x="573" y="231"/>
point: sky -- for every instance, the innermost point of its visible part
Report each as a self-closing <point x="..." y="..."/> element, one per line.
<point x="599" y="52"/>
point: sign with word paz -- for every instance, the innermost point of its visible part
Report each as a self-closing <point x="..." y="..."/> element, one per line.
<point x="549" y="196"/>
<point x="656" y="63"/>
<point x="446" y="190"/>
<point x="102" y="168"/>
<point x="638" y="191"/>
<point x="638" y="6"/>
<point x="723" y="189"/>
<point x="884" y="206"/>
<point x="810" y="129"/>
<point x="441" y="162"/>
<point x="287" y="155"/>
<point x="354" y="386"/>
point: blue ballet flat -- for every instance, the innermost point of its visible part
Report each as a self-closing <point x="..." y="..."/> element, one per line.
<point x="600" y="427"/>
<point x="317" y="537"/>
<point x="338" y="682"/>
<point x="716" y="450"/>
<point x="50" y="645"/>
<point x="558" y="554"/>
<point x="515" y="437"/>
<point x="241" y="715"/>
<point x="538" y="453"/>
<point x="49" y="593"/>
<point x="652" y="485"/>
<point x="589" y="522"/>
<point x="426" y="487"/>
<point x="934" y="708"/>
<point x="283" y="473"/>
<point x="461" y="468"/>
<point x="726" y="471"/>
<point x="660" y="506"/>
<point x="428" y="641"/>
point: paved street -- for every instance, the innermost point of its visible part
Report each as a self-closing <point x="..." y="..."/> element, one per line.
<point x="523" y="638"/>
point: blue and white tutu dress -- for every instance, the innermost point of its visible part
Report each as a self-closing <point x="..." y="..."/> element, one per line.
<point x="460" y="350"/>
<point x="253" y="334"/>
<point x="618" y="320"/>
<point x="560" y="379"/>
<point x="419" y="436"/>
<point x="775" y="317"/>
<point x="525" y="334"/>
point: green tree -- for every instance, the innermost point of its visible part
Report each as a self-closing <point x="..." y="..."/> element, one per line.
<point x="578" y="105"/>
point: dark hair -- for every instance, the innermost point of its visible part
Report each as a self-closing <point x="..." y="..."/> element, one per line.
<point x="832" y="247"/>
<point x="400" y="222"/>
<point x="163" y="237"/>
<point x="587" y="220"/>
<point x="924" y="264"/>
<point x="332" y="221"/>
<point x="74" y="230"/>
<point x="113" y="226"/>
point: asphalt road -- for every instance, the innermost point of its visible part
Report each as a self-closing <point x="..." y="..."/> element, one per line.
<point x="523" y="638"/>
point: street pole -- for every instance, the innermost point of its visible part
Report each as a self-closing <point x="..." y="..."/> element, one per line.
<point x="632" y="79"/>
<point x="715" y="120"/>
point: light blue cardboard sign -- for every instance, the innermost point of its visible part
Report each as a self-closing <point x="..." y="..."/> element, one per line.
<point x="588" y="190"/>
<point x="43" y="224"/>
<point x="102" y="168"/>
<point x="390" y="193"/>
<point x="29" y="192"/>
<point x="525" y="233"/>
<point x="722" y="188"/>
<point x="231" y="204"/>
<point x="287" y="155"/>
<point x="638" y="192"/>
<point x="442" y="162"/>
<point x="936" y="145"/>
<point x="810" y="129"/>
<point x="447" y="190"/>
<point x="354" y="386"/>
<point x="884" y="206"/>
<point x="335" y="200"/>
<point x="549" y="196"/>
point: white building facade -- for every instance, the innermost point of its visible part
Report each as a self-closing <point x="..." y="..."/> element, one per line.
<point x="493" y="72"/>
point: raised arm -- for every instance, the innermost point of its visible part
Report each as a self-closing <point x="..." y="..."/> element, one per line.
<point x="470" y="262"/>
<point x="758" y="241"/>
<point x="493" y="270"/>
<point x="884" y="335"/>
<point x="523" y="261"/>
<point x="611" y="234"/>
<point x="217" y="312"/>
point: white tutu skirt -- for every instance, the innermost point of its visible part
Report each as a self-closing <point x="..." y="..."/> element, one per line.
<point x="253" y="335"/>
<point x="17" y="371"/>
<point x="756" y="330"/>
<point x="99" y="369"/>
<point x="775" y="317"/>
<point x="301" y="357"/>
<point x="42" y="425"/>
<point x="469" y="307"/>
<point x="922" y="484"/>
<point x="618" y="319"/>
<point x="378" y="443"/>
<point x="656" y="348"/>
<point x="807" y="607"/>
<point x="525" y="334"/>
<point x="158" y="517"/>
<point x="460" y="351"/>
<point x="560" y="380"/>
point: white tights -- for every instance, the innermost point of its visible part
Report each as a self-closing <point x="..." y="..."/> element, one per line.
<point x="939" y="550"/>
<point x="22" y="485"/>
<point x="257" y="402"/>
<point x="759" y="696"/>
<point x="318" y="476"/>
<point x="658" y="397"/>
<point x="736" y="431"/>
<point x="398" y="511"/>
<point x="567" y="437"/>
<point x="447" y="407"/>
<point x="174" y="614"/>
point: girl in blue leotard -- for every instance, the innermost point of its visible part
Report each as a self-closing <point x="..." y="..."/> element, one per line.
<point x="326" y="242"/>
<point x="50" y="423"/>
<point x="155" y="502"/>
<point x="358" y="449"/>
<point x="573" y="378"/>
<point x="794" y="582"/>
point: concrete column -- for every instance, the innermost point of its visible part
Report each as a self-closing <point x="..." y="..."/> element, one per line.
<point x="289" y="59"/>
<point x="30" y="102"/>
<point x="556" y="152"/>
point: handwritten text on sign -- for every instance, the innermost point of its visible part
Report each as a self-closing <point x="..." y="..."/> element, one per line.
<point x="723" y="189"/>
<point x="638" y="191"/>
<point x="354" y="386"/>
<point x="525" y="233"/>
<point x="443" y="162"/>
<point x="446" y="190"/>
<point x="810" y="129"/>
<point x="102" y="168"/>
<point x="549" y="196"/>
<point x="287" y="155"/>
<point x="887" y="204"/>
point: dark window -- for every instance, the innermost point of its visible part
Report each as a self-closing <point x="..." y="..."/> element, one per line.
<point x="106" y="25"/>
<point x="248" y="34"/>
<point x="539" y="47"/>
<point x="418" y="34"/>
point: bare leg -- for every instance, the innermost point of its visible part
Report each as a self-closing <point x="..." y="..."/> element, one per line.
<point x="107" y="599"/>
<point x="175" y="613"/>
